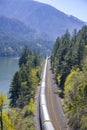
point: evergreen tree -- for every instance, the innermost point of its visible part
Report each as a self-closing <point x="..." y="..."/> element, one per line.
<point x="15" y="89"/>
<point x="69" y="62"/>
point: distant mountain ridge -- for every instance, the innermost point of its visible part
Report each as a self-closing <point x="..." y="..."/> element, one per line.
<point x="14" y="26"/>
<point x="42" y="17"/>
<point x="14" y="35"/>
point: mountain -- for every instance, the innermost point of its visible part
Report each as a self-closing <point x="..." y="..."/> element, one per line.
<point x="14" y="35"/>
<point x="44" y="18"/>
<point x="13" y="27"/>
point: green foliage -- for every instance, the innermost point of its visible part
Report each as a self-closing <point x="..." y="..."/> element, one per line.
<point x="23" y="118"/>
<point x="69" y="62"/>
<point x="30" y="108"/>
<point x="5" y="122"/>
<point x="61" y="61"/>
<point x="26" y="54"/>
<point x="2" y="100"/>
<point x="25" y="81"/>
<point x="15" y="89"/>
<point x="68" y="52"/>
<point x="75" y="99"/>
<point x="23" y="88"/>
<point x="14" y="35"/>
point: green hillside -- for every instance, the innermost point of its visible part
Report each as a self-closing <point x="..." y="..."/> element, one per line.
<point x="42" y="17"/>
<point x="69" y="63"/>
<point x="14" y="35"/>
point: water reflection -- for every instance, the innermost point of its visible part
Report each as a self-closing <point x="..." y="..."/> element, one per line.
<point x="8" y="67"/>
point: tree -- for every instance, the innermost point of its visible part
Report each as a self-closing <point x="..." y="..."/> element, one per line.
<point x="75" y="98"/>
<point x="15" y="89"/>
<point x="69" y="62"/>
<point x="24" y="82"/>
<point x="24" y="56"/>
<point x="5" y="122"/>
<point x="22" y="90"/>
<point x="2" y="103"/>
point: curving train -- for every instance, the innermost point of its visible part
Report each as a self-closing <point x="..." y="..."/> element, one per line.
<point x="45" y="118"/>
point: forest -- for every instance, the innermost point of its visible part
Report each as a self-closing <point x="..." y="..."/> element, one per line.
<point x="20" y="114"/>
<point x="15" y="35"/>
<point x="69" y="63"/>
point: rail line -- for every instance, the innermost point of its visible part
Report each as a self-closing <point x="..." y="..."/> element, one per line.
<point x="45" y="117"/>
<point x="53" y="101"/>
<point x="51" y="112"/>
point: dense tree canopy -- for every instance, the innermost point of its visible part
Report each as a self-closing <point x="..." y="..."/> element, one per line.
<point x="5" y="122"/>
<point x="23" y="88"/>
<point x="25" y="81"/>
<point x="68" y="52"/>
<point x="69" y="63"/>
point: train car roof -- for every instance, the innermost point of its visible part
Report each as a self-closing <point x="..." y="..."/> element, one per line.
<point x="42" y="99"/>
<point x="43" y="84"/>
<point x="42" y="91"/>
<point x="48" y="126"/>
<point x="45" y="114"/>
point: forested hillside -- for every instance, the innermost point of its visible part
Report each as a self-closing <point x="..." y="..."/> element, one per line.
<point x="22" y="93"/>
<point x="69" y="63"/>
<point x="44" y="18"/>
<point x="14" y="35"/>
<point x="32" y="24"/>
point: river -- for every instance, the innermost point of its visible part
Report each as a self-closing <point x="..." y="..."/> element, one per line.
<point x="8" y="67"/>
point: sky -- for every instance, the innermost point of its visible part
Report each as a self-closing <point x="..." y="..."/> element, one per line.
<point x="77" y="8"/>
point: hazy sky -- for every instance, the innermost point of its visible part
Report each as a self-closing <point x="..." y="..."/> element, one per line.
<point x="77" y="8"/>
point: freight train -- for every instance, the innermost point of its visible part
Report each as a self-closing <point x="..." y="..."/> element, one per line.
<point x="44" y="114"/>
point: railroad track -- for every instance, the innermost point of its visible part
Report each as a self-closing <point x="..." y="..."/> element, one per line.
<point x="44" y="114"/>
<point x="51" y="112"/>
<point x="53" y="102"/>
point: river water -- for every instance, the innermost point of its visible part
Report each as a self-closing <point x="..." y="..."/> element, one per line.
<point x="8" y="67"/>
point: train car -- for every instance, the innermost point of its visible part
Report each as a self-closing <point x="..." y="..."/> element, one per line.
<point x="44" y="72"/>
<point x="44" y="114"/>
<point x="46" y="122"/>
<point x="42" y="90"/>
<point x="48" y="126"/>
<point x="42" y="84"/>
<point x="42" y="100"/>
